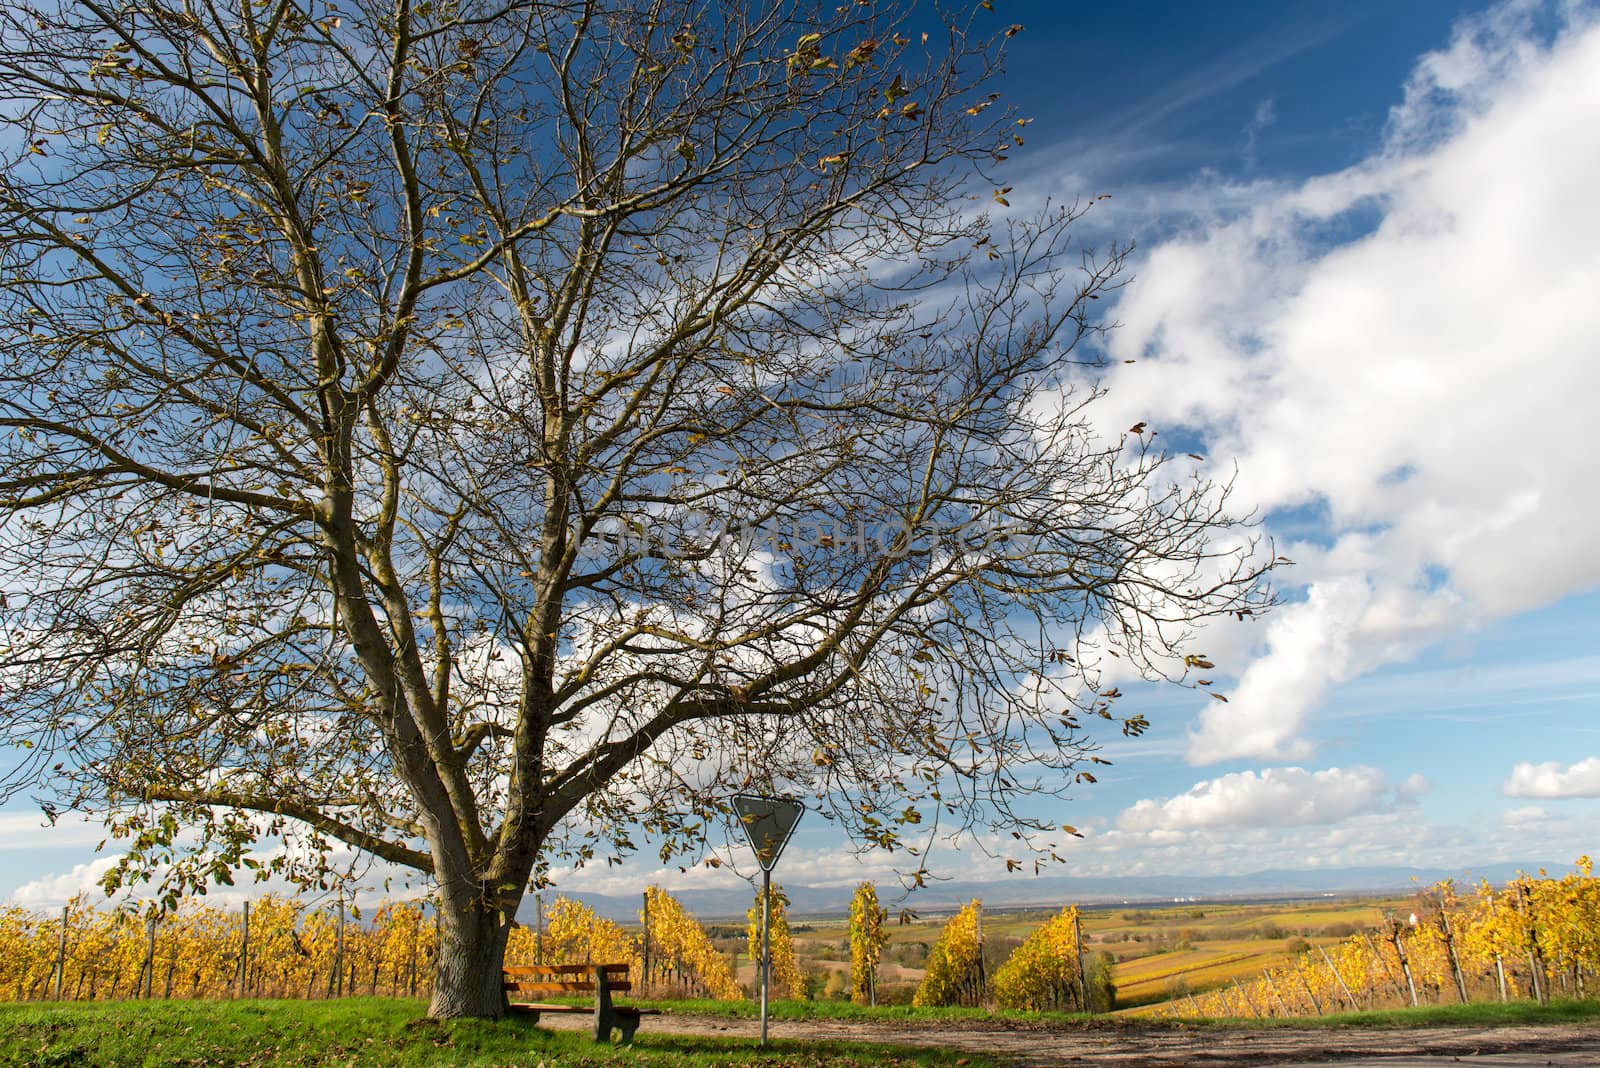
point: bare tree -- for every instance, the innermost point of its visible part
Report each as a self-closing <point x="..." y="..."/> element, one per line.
<point x="483" y="432"/>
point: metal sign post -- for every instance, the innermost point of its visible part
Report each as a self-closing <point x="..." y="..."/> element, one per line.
<point x="766" y="947"/>
<point x="768" y="822"/>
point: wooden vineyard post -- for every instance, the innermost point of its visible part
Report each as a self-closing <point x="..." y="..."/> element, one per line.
<point x="1246" y="999"/>
<point x="983" y="983"/>
<point x="1312" y="994"/>
<point x="538" y="928"/>
<point x="61" y="952"/>
<point x="1450" y="948"/>
<point x="1272" y="985"/>
<point x="411" y="964"/>
<point x="147" y="967"/>
<point x="244" y="954"/>
<point x="1499" y="962"/>
<point x="644" y="979"/>
<point x="1535" y="963"/>
<point x="1405" y="964"/>
<point x="1384" y="963"/>
<point x="333" y="971"/>
<point x="1083" y="976"/>
<point x="1351" y="998"/>
<point x="338" y="952"/>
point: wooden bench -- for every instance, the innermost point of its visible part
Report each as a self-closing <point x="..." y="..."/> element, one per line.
<point x="565" y="980"/>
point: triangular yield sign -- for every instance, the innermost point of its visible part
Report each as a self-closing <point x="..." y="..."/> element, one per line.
<point x="768" y="822"/>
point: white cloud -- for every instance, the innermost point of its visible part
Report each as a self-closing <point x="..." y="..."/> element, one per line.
<point x="1551" y="780"/>
<point x="1274" y="797"/>
<point x="52" y="891"/>
<point x="1407" y="347"/>
<point x="1415" y="786"/>
<point x="1522" y="817"/>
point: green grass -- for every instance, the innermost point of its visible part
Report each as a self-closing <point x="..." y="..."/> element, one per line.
<point x="377" y="1031"/>
<point x="1476" y="1014"/>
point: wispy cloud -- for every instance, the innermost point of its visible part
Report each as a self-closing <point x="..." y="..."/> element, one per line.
<point x="1246" y="61"/>
<point x="1266" y="114"/>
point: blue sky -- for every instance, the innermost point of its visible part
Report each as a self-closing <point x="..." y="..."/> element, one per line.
<point x="1366" y="277"/>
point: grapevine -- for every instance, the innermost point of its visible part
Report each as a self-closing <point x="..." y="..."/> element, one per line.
<point x="1043" y="972"/>
<point x="786" y="978"/>
<point x="954" y="975"/>
<point x="868" y="936"/>
<point x="681" y="942"/>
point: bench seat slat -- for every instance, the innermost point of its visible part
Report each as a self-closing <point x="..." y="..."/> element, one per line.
<point x="560" y="969"/>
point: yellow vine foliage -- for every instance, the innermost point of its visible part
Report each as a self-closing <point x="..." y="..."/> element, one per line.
<point x="523" y="946"/>
<point x="574" y="934"/>
<point x="954" y="974"/>
<point x="1042" y="973"/>
<point x="404" y="937"/>
<point x="868" y="936"/>
<point x="787" y="982"/>
<point x="678" y="938"/>
<point x="294" y="951"/>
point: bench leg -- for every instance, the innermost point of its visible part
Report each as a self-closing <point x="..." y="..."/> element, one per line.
<point x="628" y="1025"/>
<point x="604" y="1020"/>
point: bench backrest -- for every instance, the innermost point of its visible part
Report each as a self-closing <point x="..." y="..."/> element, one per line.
<point x="563" y="978"/>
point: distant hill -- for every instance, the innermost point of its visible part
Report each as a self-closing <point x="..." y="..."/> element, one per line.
<point x="1055" y="891"/>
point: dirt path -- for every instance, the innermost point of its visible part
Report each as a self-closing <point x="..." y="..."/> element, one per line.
<point x="1162" y="1047"/>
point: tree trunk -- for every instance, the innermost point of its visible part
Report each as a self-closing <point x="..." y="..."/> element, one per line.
<point x="472" y="952"/>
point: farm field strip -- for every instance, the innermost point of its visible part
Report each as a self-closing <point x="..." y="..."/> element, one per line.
<point x="1163" y="965"/>
<point x="1200" y="978"/>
